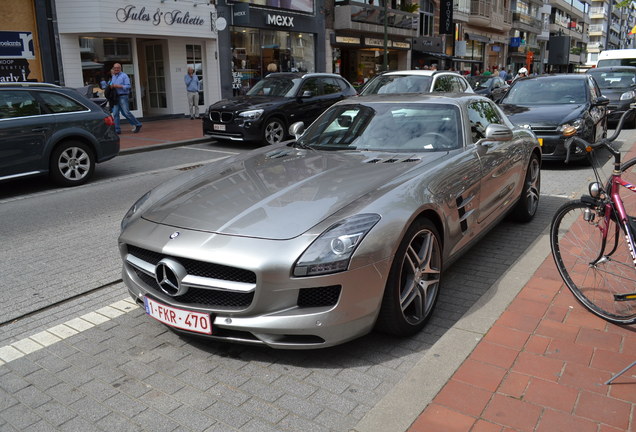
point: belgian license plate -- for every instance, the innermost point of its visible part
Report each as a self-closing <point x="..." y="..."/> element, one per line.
<point x="219" y="127"/>
<point x="540" y="141"/>
<point x="180" y="318"/>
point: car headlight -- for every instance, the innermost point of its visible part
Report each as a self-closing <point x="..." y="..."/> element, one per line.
<point x="576" y="124"/>
<point x="332" y="250"/>
<point x="628" y="95"/>
<point x="130" y="214"/>
<point x="251" y="114"/>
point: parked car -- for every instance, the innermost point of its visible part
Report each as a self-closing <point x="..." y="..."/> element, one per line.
<point x="547" y="104"/>
<point x="416" y="81"/>
<point x="314" y="242"/>
<point x="47" y="129"/>
<point x="618" y="84"/>
<point x="491" y="86"/>
<point x="274" y="103"/>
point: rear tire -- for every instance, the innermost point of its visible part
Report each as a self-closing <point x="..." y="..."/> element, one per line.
<point x="528" y="202"/>
<point x="414" y="281"/>
<point x="576" y="245"/>
<point x="72" y="164"/>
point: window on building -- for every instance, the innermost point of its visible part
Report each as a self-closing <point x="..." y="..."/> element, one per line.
<point x="427" y="14"/>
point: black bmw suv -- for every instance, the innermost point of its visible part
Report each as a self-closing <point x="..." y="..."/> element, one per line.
<point x="273" y="104"/>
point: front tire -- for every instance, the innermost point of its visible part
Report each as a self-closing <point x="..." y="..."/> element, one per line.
<point x="594" y="272"/>
<point x="528" y="203"/>
<point x="273" y="131"/>
<point x="72" y="164"/>
<point x="414" y="281"/>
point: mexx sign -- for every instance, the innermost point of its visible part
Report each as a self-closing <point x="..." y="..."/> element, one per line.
<point x="280" y="20"/>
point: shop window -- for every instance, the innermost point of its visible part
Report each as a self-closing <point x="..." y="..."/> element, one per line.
<point x="255" y="53"/>
<point x="98" y="57"/>
<point x="194" y="59"/>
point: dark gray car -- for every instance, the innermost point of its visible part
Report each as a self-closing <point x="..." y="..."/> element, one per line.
<point x="47" y="129"/>
<point x="618" y="84"/>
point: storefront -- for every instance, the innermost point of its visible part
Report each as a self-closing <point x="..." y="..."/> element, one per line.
<point x="27" y="50"/>
<point x="154" y="41"/>
<point x="267" y="36"/>
<point x="358" y="58"/>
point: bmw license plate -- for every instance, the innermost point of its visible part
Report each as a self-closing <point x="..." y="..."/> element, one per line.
<point x="180" y="318"/>
<point x="219" y="127"/>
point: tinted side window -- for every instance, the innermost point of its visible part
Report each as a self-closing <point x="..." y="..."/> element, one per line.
<point x="16" y="103"/>
<point x="311" y="85"/>
<point x="343" y="85"/>
<point x="330" y="86"/>
<point x="458" y="85"/>
<point x="481" y="114"/>
<point x="443" y="83"/>
<point x="58" y="103"/>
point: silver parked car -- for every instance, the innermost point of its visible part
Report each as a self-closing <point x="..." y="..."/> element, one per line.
<point x="316" y="241"/>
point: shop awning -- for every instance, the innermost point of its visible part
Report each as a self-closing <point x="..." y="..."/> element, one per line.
<point x="476" y="37"/>
<point x="92" y="65"/>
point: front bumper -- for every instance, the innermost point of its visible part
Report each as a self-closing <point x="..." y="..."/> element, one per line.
<point x="273" y="309"/>
<point x="553" y="146"/>
<point x="236" y="130"/>
<point x="616" y="110"/>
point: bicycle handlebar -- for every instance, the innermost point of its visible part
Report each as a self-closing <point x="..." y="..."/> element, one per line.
<point x="603" y="142"/>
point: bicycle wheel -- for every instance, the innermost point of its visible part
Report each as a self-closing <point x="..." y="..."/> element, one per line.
<point x="576" y="246"/>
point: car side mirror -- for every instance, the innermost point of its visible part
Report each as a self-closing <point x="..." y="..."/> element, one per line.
<point x="307" y="94"/>
<point x="496" y="132"/>
<point x="601" y="101"/>
<point x="297" y="129"/>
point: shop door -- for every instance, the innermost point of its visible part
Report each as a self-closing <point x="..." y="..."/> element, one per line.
<point x="156" y="100"/>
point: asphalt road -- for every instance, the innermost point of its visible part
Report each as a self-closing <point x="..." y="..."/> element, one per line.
<point x="60" y="260"/>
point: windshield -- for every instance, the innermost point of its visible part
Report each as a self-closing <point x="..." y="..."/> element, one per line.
<point x="617" y="62"/>
<point x="386" y="127"/>
<point x="274" y="87"/>
<point x="614" y="79"/>
<point x="389" y="84"/>
<point x="480" y="82"/>
<point x="550" y="91"/>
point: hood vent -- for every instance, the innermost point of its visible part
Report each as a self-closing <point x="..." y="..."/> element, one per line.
<point x="392" y="159"/>
<point x="276" y="154"/>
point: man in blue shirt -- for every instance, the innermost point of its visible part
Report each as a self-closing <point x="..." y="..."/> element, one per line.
<point x="121" y="83"/>
<point x="192" y="86"/>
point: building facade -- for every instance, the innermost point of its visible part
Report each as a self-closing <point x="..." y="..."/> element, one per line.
<point x="155" y="41"/>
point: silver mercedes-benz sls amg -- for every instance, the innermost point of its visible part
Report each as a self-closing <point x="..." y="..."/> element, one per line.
<point x="347" y="228"/>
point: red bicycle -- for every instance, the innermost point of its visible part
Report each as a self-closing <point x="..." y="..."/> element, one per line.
<point x="593" y="238"/>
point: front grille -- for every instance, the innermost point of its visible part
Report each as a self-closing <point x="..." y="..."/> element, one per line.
<point x="544" y="129"/>
<point x="320" y="296"/>
<point x="221" y="116"/>
<point x="197" y="268"/>
<point x="203" y="297"/>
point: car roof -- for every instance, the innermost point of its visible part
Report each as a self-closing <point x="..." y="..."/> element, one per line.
<point x="613" y="69"/>
<point x="572" y="76"/>
<point x="419" y="72"/>
<point x="301" y="75"/>
<point x="28" y="84"/>
<point x="438" y="98"/>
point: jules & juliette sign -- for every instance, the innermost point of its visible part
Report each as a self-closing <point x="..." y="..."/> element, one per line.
<point x="132" y="13"/>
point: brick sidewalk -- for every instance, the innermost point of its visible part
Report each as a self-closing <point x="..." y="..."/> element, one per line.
<point x="541" y="367"/>
<point x="161" y="132"/>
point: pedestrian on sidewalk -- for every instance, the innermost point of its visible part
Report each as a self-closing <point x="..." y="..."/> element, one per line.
<point x="121" y="83"/>
<point x="192" y="86"/>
